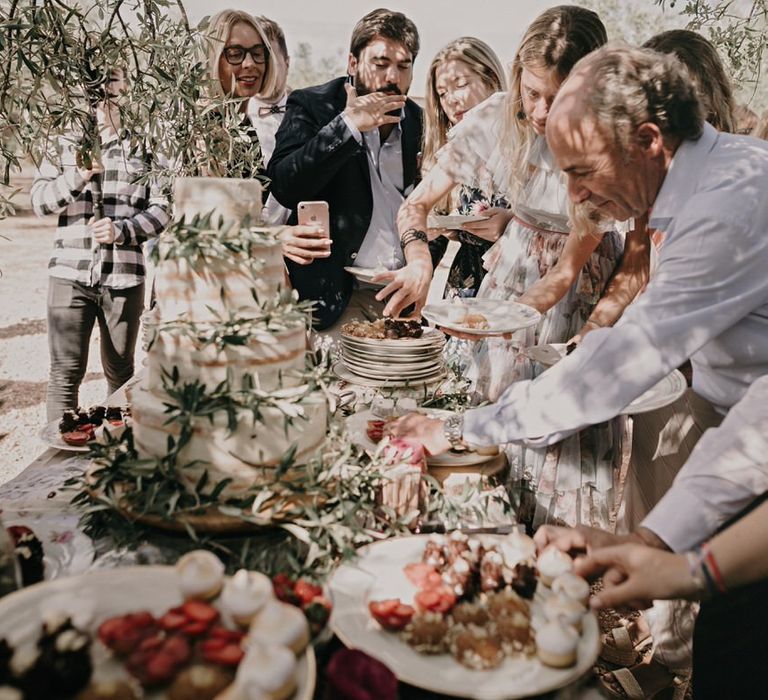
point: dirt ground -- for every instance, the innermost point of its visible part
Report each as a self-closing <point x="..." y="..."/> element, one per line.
<point x="23" y="339"/>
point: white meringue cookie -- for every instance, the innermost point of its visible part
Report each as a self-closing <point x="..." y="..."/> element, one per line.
<point x="201" y="574"/>
<point x="245" y="594"/>
<point x="556" y="644"/>
<point x="551" y="563"/>
<point x="280" y="623"/>
<point x="518" y="548"/>
<point x="266" y="673"/>
<point x="571" y="586"/>
<point x="566" y="609"/>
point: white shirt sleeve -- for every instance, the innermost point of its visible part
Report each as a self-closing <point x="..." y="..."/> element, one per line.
<point x="352" y="129"/>
<point x="700" y="289"/>
<point x="726" y="471"/>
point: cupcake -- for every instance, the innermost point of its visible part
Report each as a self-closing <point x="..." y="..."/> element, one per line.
<point x="201" y="575"/>
<point x="477" y="648"/>
<point x="569" y="585"/>
<point x="427" y="633"/>
<point x="108" y="690"/>
<point x="268" y="672"/>
<point x="551" y="563"/>
<point x="245" y="594"/>
<point x="570" y="611"/>
<point x="556" y="644"/>
<point x="280" y="623"/>
<point x="515" y="634"/>
<point x="199" y="683"/>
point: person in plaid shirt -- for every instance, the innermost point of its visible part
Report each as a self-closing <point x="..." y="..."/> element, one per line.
<point x="97" y="268"/>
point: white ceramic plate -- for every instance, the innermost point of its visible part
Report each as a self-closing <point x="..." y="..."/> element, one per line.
<point x="395" y="360"/>
<point x="548" y="354"/>
<point x="107" y="593"/>
<point x="667" y="391"/>
<point x="502" y="316"/>
<point x="358" y="422"/>
<point x="388" y="366"/>
<point x="51" y="436"/>
<point x="378" y="574"/>
<point x="429" y="338"/>
<point x="454" y="221"/>
<point x="343" y="372"/>
<point x="366" y="274"/>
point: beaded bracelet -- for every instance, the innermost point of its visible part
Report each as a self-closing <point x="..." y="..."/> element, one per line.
<point x="705" y="572"/>
<point x="411" y="235"/>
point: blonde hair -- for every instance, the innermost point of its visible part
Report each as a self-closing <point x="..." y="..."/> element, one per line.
<point x="555" y="41"/>
<point x="215" y="38"/>
<point x="482" y="61"/>
<point x="705" y="68"/>
<point x="761" y="129"/>
<point x="278" y="55"/>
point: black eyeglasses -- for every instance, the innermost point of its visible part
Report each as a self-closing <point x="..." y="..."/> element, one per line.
<point x="235" y="54"/>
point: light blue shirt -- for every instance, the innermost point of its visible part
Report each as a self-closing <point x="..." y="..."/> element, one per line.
<point x="707" y="300"/>
<point x="381" y="245"/>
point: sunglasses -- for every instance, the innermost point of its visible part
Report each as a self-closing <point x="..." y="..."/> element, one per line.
<point x="235" y="54"/>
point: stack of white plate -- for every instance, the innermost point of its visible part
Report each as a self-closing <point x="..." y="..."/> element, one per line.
<point x="393" y="362"/>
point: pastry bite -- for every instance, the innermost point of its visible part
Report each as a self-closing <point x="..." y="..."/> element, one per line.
<point x="523" y="580"/>
<point x="570" y="611"/>
<point x="108" y="689"/>
<point x="571" y="586"/>
<point x="245" y="594"/>
<point x="458" y="577"/>
<point x="557" y="644"/>
<point x="518" y="548"/>
<point x="199" y="682"/>
<point x="477" y="648"/>
<point x="552" y="563"/>
<point x="428" y="633"/>
<point x="201" y="575"/>
<point x="435" y="551"/>
<point x="470" y="614"/>
<point x="516" y="634"/>
<point x="280" y="623"/>
<point x="491" y="571"/>
<point x="506" y="602"/>
<point x="268" y="672"/>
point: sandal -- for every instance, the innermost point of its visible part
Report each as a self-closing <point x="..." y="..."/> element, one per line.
<point x="630" y="688"/>
<point x="618" y="647"/>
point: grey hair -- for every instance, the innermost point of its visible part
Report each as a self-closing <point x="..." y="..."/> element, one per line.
<point x="627" y="87"/>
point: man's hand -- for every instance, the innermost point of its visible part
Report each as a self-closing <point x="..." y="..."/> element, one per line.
<point x="491" y="228"/>
<point x="370" y="111"/>
<point x="408" y="285"/>
<point x="428" y="431"/>
<point x="634" y="576"/>
<point x="305" y="243"/>
<point x="103" y="230"/>
<point x="88" y="173"/>
<point x="577" y="539"/>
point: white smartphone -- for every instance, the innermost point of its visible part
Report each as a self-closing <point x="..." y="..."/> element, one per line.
<point x="315" y="214"/>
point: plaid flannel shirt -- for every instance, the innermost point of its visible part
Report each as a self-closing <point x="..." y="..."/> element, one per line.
<point x="139" y="212"/>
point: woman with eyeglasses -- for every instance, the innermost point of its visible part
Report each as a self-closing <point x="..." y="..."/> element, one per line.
<point x="241" y="65"/>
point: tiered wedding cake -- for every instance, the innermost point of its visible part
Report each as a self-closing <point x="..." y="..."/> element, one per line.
<point x="227" y="390"/>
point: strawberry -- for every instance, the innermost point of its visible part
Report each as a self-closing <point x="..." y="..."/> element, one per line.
<point x="307" y="591"/>
<point x="194" y="629"/>
<point x="213" y="645"/>
<point x="125" y="639"/>
<point x="197" y="611"/>
<point x="230" y="655"/>
<point x="219" y="632"/>
<point x="173" y="621"/>
<point x="140" y="619"/>
<point x="160" y="669"/>
<point x="151" y="643"/>
<point x="177" y="647"/>
<point x="284" y="590"/>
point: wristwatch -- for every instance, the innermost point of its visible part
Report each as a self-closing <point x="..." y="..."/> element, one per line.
<point x="453" y="429"/>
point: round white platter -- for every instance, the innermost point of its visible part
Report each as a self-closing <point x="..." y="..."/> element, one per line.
<point x="502" y="316"/>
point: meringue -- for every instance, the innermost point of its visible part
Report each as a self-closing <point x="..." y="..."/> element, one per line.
<point x="201" y="575"/>
<point x="518" y="548"/>
<point x="280" y="623"/>
<point x="551" y="563"/>
<point x="556" y="644"/>
<point x="571" y="586"/>
<point x="266" y="673"/>
<point x="566" y="609"/>
<point x="245" y="594"/>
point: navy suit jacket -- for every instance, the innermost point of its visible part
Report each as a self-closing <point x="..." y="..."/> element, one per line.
<point x="316" y="157"/>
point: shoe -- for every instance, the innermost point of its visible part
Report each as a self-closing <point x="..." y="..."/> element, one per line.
<point x="629" y="687"/>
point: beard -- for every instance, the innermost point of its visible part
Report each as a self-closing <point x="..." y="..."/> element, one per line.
<point x="388" y="89"/>
<point x="586" y="218"/>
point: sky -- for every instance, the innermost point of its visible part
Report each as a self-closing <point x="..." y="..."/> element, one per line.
<point x="327" y="24"/>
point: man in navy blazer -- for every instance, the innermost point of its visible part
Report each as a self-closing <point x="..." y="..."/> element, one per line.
<point x="353" y="142"/>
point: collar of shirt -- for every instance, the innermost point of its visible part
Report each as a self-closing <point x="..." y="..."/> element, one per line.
<point x="254" y="104"/>
<point x="680" y="182"/>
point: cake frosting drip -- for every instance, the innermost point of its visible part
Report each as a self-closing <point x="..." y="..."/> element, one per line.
<point x="228" y="332"/>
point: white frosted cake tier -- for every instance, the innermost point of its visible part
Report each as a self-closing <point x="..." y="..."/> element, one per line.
<point x="272" y="358"/>
<point x="247" y="455"/>
<point x="235" y="201"/>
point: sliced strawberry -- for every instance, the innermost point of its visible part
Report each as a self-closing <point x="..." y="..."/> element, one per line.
<point x="307" y="591"/>
<point x="219" y="632"/>
<point x="177" y="647"/>
<point x="383" y="607"/>
<point x="197" y="611"/>
<point x="125" y="639"/>
<point x="391" y="614"/>
<point x="108" y="629"/>
<point x="173" y="621"/>
<point x="213" y="645"/>
<point x="151" y="643"/>
<point x="160" y="669"/>
<point x="194" y="629"/>
<point x="283" y="587"/>
<point x="89" y="428"/>
<point x="440" y="599"/>
<point x="418" y="573"/>
<point x="231" y="655"/>
<point x="77" y="438"/>
<point x="140" y="619"/>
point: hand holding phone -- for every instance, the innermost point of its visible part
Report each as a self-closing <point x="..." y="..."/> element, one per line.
<point x="315" y="214"/>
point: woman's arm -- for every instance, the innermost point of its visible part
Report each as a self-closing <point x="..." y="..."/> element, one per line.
<point x="630" y="277"/>
<point x="554" y="285"/>
<point x="410" y="284"/>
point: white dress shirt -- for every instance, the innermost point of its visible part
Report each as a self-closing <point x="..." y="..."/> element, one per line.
<point x="381" y="245"/>
<point x="707" y="301"/>
<point x="727" y="470"/>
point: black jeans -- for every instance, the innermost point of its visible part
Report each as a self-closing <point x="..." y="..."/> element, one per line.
<point x="73" y="309"/>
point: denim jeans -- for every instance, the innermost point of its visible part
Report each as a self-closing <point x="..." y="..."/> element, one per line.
<point x="73" y="308"/>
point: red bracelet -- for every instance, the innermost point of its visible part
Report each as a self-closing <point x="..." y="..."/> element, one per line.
<point x="709" y="559"/>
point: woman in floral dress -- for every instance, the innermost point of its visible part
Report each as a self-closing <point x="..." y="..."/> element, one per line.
<point x="500" y="146"/>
